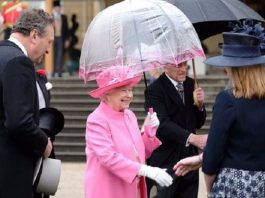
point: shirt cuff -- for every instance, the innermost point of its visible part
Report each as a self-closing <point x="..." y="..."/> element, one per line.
<point x="187" y="141"/>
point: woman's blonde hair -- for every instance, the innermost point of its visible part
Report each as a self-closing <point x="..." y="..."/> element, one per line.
<point x="248" y="82"/>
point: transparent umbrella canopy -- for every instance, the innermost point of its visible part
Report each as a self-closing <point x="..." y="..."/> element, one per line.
<point x="140" y="34"/>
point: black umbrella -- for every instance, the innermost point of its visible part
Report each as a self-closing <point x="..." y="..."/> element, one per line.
<point x="211" y="17"/>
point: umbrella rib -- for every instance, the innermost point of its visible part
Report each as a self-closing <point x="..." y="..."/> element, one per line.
<point x="136" y="35"/>
<point x="163" y="33"/>
<point x="229" y="9"/>
<point x="139" y="49"/>
<point x="203" y="13"/>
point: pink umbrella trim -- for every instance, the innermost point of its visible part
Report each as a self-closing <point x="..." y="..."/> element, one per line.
<point x="137" y="66"/>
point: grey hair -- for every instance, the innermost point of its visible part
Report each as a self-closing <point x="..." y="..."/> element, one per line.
<point x="33" y="19"/>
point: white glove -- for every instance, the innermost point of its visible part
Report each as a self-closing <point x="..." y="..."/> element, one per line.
<point x="157" y="174"/>
<point x="151" y="124"/>
<point x="154" y="122"/>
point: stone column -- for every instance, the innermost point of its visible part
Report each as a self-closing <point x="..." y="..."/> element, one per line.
<point x="49" y="57"/>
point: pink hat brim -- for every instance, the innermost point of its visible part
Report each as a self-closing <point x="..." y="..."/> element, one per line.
<point x="130" y="81"/>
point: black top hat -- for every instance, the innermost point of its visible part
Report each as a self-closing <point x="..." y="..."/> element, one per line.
<point x="51" y="121"/>
<point x="56" y="3"/>
<point x="238" y="50"/>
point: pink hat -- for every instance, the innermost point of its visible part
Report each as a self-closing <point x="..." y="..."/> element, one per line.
<point x="112" y="78"/>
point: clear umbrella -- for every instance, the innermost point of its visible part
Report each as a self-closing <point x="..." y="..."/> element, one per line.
<point x="140" y="34"/>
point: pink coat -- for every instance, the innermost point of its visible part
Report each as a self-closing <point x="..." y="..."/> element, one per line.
<point x="115" y="150"/>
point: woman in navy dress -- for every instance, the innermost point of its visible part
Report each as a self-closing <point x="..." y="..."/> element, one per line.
<point x="234" y="156"/>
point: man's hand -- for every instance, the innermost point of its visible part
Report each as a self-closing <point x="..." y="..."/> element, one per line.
<point x="48" y="149"/>
<point x="198" y="96"/>
<point x="198" y="140"/>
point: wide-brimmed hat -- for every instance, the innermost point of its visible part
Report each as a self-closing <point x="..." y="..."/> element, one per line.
<point x="51" y="121"/>
<point x="112" y="78"/>
<point x="47" y="176"/>
<point x="238" y="50"/>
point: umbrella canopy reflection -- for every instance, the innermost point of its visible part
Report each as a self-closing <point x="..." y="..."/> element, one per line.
<point x="140" y="34"/>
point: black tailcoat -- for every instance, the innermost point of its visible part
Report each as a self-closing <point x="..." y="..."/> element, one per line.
<point x="21" y="140"/>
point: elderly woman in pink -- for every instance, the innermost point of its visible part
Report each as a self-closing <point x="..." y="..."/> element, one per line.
<point x="115" y="149"/>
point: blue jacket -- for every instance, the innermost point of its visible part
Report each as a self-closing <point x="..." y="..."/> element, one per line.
<point x="237" y="135"/>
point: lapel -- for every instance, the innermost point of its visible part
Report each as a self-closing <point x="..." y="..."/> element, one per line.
<point x="171" y="90"/>
<point x="43" y="88"/>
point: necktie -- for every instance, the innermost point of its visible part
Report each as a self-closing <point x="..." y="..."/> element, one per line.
<point x="180" y="90"/>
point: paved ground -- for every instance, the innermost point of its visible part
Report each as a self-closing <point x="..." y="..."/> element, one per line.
<point x="71" y="182"/>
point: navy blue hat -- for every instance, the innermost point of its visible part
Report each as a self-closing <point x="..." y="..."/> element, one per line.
<point x="238" y="50"/>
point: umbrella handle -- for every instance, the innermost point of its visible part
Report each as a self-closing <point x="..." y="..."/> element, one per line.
<point x="151" y="110"/>
<point x="148" y="129"/>
<point x="196" y="85"/>
<point x="194" y="75"/>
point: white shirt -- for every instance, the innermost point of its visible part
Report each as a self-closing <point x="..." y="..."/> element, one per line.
<point x="19" y="44"/>
<point x="42" y="103"/>
<point x="175" y="83"/>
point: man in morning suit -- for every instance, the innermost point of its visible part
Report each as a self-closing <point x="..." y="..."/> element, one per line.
<point x="171" y="96"/>
<point x="22" y="142"/>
